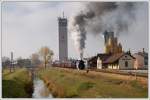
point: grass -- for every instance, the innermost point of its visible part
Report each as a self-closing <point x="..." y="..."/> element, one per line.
<point x="17" y="84"/>
<point x="79" y="84"/>
<point x="86" y="85"/>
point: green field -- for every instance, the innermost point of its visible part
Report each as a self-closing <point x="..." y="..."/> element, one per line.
<point x="17" y="84"/>
<point x="73" y="83"/>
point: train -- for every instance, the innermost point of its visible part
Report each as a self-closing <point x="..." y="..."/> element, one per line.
<point x="74" y="64"/>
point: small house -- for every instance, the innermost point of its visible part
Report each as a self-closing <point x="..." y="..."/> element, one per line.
<point x="120" y="61"/>
<point x="141" y="61"/>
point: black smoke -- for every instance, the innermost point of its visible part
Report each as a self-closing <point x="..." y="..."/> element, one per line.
<point x="100" y="16"/>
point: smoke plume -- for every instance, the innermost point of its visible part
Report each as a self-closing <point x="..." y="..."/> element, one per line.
<point x="100" y="16"/>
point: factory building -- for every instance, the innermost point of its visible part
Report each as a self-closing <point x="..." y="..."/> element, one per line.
<point x="63" y="40"/>
<point x="111" y="43"/>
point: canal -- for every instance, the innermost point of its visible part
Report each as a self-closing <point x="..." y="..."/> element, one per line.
<point x="40" y="90"/>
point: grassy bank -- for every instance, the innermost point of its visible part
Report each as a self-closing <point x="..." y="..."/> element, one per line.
<point x="73" y="83"/>
<point x="17" y="84"/>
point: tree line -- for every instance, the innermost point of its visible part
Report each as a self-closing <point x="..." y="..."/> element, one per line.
<point x="41" y="58"/>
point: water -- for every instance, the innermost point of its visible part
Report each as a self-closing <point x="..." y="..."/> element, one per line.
<point x="40" y="90"/>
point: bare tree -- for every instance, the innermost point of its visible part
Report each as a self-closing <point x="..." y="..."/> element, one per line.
<point x="46" y="55"/>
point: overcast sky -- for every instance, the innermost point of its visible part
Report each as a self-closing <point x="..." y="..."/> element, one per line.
<point x="27" y="26"/>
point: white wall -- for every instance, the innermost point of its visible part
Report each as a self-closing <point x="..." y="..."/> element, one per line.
<point x="125" y="58"/>
<point x="99" y="63"/>
<point x="110" y="66"/>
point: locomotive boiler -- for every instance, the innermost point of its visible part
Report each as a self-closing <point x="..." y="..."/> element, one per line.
<point x="81" y="65"/>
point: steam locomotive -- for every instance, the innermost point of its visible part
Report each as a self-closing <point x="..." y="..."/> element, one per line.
<point x="81" y="65"/>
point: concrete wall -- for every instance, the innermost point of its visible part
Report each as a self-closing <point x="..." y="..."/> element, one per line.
<point x="63" y="40"/>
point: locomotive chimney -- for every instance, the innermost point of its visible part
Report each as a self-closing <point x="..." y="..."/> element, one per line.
<point x="81" y="56"/>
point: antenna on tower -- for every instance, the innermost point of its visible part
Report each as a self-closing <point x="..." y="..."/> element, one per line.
<point x="63" y="14"/>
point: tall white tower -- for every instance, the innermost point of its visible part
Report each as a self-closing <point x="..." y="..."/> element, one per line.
<point x="63" y="40"/>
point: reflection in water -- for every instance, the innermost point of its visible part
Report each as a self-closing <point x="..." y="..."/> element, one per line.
<point x="40" y="90"/>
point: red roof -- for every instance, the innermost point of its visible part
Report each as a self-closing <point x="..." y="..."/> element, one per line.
<point x="108" y="58"/>
<point x="113" y="58"/>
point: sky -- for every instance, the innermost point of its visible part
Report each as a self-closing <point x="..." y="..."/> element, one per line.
<point x="27" y="26"/>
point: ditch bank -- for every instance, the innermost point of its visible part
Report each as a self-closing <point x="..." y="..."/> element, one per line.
<point x="39" y="88"/>
<point x="55" y="89"/>
<point x="78" y="84"/>
<point x="17" y="84"/>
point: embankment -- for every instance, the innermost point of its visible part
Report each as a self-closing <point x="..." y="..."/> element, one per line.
<point x="55" y="89"/>
<point x="78" y="84"/>
<point x="17" y="84"/>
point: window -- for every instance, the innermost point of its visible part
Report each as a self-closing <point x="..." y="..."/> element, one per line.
<point x="126" y="63"/>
